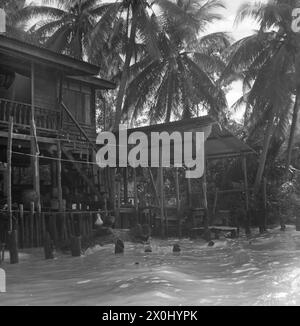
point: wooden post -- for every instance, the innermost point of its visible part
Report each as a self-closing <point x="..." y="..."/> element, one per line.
<point x="59" y="172"/>
<point x="205" y="204"/>
<point x="215" y="204"/>
<point x="48" y="247"/>
<point x="189" y="192"/>
<point x="31" y="223"/>
<point x="136" y="204"/>
<point x="12" y="231"/>
<point x="154" y="187"/>
<point x="162" y="196"/>
<point x="265" y="212"/>
<point x="34" y="143"/>
<point x="247" y="228"/>
<point x="61" y="215"/>
<point x="9" y="172"/>
<point x="76" y="246"/>
<point x="118" y="216"/>
<point x="125" y="178"/>
<point x="22" y="228"/>
<point x="37" y="228"/>
<point x="178" y="201"/>
<point x="60" y="99"/>
<point x="13" y="247"/>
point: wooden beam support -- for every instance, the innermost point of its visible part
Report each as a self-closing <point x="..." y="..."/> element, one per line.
<point x="4" y="134"/>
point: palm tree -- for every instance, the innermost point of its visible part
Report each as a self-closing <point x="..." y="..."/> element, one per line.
<point x="65" y="25"/>
<point x="183" y="77"/>
<point x="266" y="62"/>
<point x="13" y="29"/>
<point x="141" y="24"/>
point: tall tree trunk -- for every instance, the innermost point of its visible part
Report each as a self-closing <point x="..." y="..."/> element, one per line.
<point x="125" y="73"/>
<point x="263" y="157"/>
<point x="293" y="130"/>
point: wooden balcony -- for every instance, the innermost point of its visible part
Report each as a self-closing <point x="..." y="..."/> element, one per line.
<point x="45" y="119"/>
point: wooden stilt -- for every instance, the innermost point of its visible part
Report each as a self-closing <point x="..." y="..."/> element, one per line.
<point x="76" y="246"/>
<point x="13" y="247"/>
<point x="205" y="204"/>
<point x="22" y="227"/>
<point x="265" y="212"/>
<point x="61" y="205"/>
<point x="12" y="231"/>
<point x="9" y="173"/>
<point x="136" y="203"/>
<point x="118" y="208"/>
<point x="125" y="178"/>
<point x="48" y="247"/>
<point x="178" y="201"/>
<point x="34" y="144"/>
<point x="189" y="193"/>
<point x="31" y="224"/>
<point x="59" y="172"/>
<point x="248" y="222"/>
<point x="154" y="187"/>
<point x="37" y="226"/>
<point x="162" y="197"/>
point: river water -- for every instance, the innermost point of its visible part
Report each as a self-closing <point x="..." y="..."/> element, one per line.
<point x="262" y="271"/>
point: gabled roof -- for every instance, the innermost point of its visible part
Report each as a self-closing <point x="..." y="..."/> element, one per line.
<point x="96" y="82"/>
<point x="29" y="52"/>
<point x="220" y="142"/>
<point x="18" y="55"/>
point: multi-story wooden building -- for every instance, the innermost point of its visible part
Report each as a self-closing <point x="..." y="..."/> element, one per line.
<point x="49" y="102"/>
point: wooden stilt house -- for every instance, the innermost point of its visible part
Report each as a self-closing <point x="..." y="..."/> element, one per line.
<point x="47" y="131"/>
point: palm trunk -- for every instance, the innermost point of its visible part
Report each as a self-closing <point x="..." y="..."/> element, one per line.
<point x="263" y="157"/>
<point x="125" y="74"/>
<point x="293" y="131"/>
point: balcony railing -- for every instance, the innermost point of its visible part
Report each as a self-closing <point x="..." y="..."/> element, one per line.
<point x="44" y="118"/>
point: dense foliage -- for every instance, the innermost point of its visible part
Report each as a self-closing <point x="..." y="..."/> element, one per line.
<point x="168" y="67"/>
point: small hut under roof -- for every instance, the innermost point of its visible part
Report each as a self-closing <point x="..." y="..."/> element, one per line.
<point x="220" y="143"/>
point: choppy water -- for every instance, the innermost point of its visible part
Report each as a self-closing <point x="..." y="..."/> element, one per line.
<point x="234" y="272"/>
